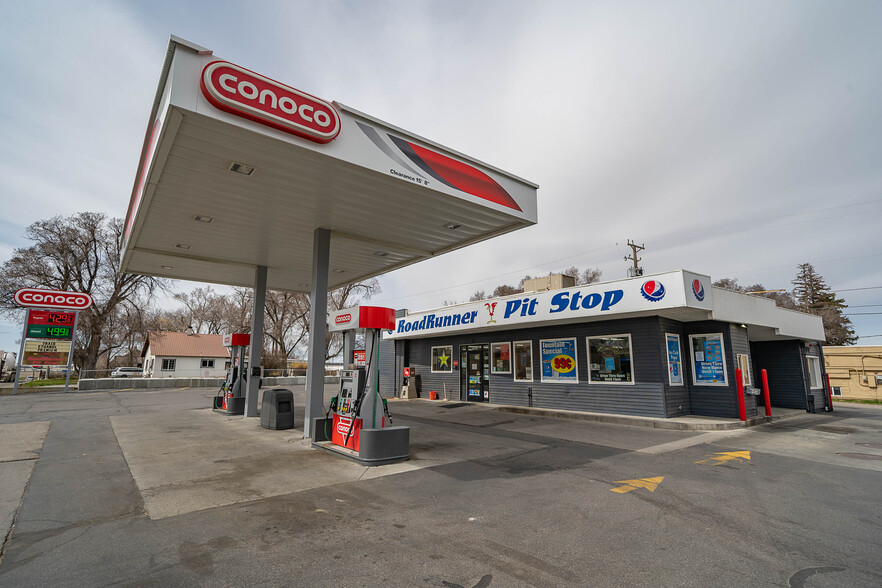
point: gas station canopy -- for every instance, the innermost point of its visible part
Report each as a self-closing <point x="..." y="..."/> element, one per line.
<point x="238" y="171"/>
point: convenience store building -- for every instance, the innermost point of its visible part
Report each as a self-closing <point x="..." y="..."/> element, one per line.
<point x="664" y="345"/>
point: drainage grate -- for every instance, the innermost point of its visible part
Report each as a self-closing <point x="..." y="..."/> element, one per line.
<point x="455" y="405"/>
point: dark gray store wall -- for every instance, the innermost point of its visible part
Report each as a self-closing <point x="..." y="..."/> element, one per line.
<point x="644" y="398"/>
<point x="784" y="364"/>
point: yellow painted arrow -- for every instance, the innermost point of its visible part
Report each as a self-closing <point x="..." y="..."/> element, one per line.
<point x="725" y="457"/>
<point x="649" y="483"/>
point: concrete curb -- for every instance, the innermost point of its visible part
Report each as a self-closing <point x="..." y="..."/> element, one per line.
<point x="618" y="419"/>
<point x="35" y="389"/>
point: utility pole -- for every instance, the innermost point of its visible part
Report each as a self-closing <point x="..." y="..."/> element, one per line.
<point x="636" y="270"/>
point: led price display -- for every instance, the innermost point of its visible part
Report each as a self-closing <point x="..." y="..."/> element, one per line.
<point x="49" y="332"/>
<point x="53" y="318"/>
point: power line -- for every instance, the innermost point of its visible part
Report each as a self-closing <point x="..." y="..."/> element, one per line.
<point x="859" y="313"/>
<point x="853" y="289"/>
<point x="493" y="278"/>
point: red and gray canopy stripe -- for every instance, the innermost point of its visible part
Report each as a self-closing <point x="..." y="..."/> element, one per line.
<point x="456" y="174"/>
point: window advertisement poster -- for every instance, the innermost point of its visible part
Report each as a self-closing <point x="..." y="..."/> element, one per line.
<point x="710" y="367"/>
<point x="559" y="360"/>
<point x="501" y="353"/>
<point x="675" y="363"/>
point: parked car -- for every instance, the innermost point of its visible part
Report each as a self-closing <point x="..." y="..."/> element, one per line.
<point x="127" y="372"/>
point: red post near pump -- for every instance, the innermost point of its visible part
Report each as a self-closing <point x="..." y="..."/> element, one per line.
<point x="739" y="381"/>
<point x="765" y="378"/>
<point x="829" y="392"/>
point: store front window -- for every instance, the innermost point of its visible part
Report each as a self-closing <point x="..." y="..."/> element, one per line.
<point x="609" y="360"/>
<point x="501" y="353"/>
<point x="708" y="359"/>
<point x="442" y="359"/>
<point x="523" y="358"/>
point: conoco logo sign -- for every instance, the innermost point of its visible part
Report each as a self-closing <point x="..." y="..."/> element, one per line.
<point x="244" y="93"/>
<point x="343" y="318"/>
<point x="53" y="299"/>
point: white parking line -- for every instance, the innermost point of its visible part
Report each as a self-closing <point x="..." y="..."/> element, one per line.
<point x="690" y="441"/>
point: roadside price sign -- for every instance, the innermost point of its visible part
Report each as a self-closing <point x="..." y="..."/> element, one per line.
<point x="49" y="329"/>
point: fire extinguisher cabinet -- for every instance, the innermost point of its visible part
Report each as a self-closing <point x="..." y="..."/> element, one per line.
<point x="277" y="409"/>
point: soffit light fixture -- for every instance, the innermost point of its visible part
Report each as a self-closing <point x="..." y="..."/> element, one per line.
<point x="202" y="218"/>
<point x="452" y="226"/>
<point x="182" y="245"/>
<point x="242" y="168"/>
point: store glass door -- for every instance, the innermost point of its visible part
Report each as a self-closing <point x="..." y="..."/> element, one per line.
<point x="475" y="372"/>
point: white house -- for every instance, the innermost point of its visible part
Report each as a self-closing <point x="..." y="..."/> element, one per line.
<point x="181" y="355"/>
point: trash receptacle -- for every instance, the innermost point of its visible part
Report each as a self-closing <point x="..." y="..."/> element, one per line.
<point x="811" y="404"/>
<point x="277" y="409"/>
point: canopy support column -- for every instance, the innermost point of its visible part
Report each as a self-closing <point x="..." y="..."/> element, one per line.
<point x="318" y="324"/>
<point x="256" y="350"/>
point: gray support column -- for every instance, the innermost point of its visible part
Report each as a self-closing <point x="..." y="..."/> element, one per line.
<point x="318" y="324"/>
<point x="256" y="340"/>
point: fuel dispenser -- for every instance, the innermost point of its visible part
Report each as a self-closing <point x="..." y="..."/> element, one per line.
<point x="358" y="424"/>
<point x="231" y="397"/>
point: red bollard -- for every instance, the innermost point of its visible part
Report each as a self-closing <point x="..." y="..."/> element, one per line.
<point x="765" y="378"/>
<point x="829" y="392"/>
<point x="742" y="410"/>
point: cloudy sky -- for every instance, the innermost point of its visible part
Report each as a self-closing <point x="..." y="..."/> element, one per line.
<point x="736" y="139"/>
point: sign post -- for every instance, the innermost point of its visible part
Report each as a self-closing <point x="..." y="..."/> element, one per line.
<point x="47" y="332"/>
<point x="18" y="360"/>
<point x="73" y="340"/>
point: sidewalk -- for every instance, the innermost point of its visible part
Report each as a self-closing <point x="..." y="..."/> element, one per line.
<point x="683" y="423"/>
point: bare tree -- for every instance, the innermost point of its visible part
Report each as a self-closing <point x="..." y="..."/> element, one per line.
<point x="79" y="253"/>
<point x="205" y="310"/>
<point x="345" y="297"/>
<point x="285" y="315"/>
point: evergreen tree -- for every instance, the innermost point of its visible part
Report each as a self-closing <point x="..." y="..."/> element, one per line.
<point x="815" y="297"/>
<point x="809" y="287"/>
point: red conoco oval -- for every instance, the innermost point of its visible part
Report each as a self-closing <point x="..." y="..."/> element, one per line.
<point x="242" y="92"/>
<point x="52" y="299"/>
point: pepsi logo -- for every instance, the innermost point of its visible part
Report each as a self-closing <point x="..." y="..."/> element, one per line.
<point x="342" y="319"/>
<point x="698" y="290"/>
<point x="653" y="290"/>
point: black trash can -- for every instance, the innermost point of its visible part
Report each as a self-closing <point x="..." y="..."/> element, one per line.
<point x="811" y="404"/>
<point x="277" y="409"/>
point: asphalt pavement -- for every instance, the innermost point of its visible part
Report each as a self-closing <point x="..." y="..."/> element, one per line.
<point x="150" y="488"/>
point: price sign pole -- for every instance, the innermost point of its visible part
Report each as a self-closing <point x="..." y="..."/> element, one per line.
<point x="73" y="341"/>
<point x="20" y="358"/>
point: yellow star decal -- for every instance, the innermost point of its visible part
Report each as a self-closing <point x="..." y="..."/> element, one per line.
<point x="443" y="359"/>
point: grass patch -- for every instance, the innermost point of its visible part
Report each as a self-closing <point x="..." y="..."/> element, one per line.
<point x="52" y="382"/>
<point x="856" y="400"/>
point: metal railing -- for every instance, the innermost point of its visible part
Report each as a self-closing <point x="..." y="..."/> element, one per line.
<point x="190" y="373"/>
